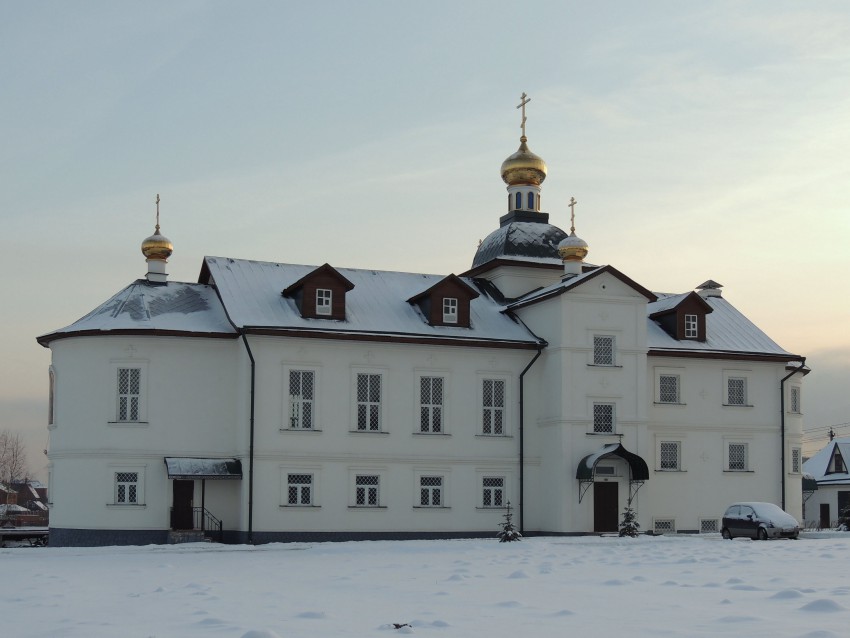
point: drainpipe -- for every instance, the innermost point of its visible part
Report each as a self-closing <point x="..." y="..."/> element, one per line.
<point x="540" y="347"/>
<point x="782" y="419"/>
<point x="251" y="444"/>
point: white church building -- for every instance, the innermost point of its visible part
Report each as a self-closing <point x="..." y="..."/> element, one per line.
<point x="277" y="402"/>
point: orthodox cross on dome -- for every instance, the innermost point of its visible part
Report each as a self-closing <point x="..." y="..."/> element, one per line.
<point x="157" y="213"/>
<point x="524" y="99"/>
<point x="572" y="206"/>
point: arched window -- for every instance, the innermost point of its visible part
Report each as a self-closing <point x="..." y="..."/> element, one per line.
<point x="518" y="200"/>
<point x="531" y="201"/>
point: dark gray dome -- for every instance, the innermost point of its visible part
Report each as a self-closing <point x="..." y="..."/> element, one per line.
<point x="521" y="236"/>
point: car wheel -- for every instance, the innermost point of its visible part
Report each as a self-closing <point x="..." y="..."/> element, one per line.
<point x="726" y="534"/>
<point x="762" y="534"/>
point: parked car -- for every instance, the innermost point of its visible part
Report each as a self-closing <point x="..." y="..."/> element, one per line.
<point x="759" y="521"/>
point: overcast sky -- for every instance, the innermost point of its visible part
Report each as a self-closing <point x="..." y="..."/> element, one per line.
<point x="702" y="140"/>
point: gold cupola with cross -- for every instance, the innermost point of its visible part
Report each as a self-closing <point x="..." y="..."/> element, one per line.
<point x="523" y="172"/>
<point x="157" y="249"/>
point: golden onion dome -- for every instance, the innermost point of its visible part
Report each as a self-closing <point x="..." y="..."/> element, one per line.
<point x="157" y="246"/>
<point x="523" y="167"/>
<point x="572" y="248"/>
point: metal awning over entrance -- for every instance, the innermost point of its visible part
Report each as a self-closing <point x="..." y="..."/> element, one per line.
<point x="586" y="471"/>
<point x="180" y="467"/>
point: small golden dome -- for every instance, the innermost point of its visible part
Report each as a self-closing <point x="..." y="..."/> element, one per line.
<point x="572" y="248"/>
<point x="157" y="246"/>
<point x="523" y="167"/>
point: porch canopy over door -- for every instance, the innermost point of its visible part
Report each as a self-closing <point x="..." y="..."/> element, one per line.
<point x="586" y="470"/>
<point x="180" y="467"/>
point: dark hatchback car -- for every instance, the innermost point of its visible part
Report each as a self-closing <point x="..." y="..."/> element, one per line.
<point x="759" y="521"/>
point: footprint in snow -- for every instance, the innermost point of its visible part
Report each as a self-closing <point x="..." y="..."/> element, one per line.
<point x="518" y="574"/>
<point x="786" y="594"/>
<point x="509" y="604"/>
<point x="260" y="633"/>
<point x="315" y="615"/>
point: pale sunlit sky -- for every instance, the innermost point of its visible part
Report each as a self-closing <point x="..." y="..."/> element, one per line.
<point x="702" y="140"/>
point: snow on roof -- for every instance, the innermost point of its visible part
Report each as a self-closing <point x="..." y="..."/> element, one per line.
<point x="726" y="330"/>
<point x="186" y="467"/>
<point x="818" y="465"/>
<point x="251" y="291"/>
<point x="174" y="307"/>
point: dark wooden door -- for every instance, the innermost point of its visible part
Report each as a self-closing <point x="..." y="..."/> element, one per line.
<point x="824" y="516"/>
<point x="605" y="507"/>
<point x="184" y="492"/>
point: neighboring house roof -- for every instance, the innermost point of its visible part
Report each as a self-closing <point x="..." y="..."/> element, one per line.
<point x="175" y="308"/>
<point x="376" y="306"/>
<point x="727" y="331"/>
<point x="818" y="465"/>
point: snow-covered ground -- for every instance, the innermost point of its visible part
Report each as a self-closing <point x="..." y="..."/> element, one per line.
<point x="540" y="587"/>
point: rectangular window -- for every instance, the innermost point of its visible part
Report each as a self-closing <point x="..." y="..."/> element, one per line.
<point x="129" y="390"/>
<point x="668" y="388"/>
<point x="708" y="526"/>
<point x="664" y="526"/>
<point x="795" y="400"/>
<point x="369" y="402"/>
<point x="51" y="396"/>
<point x="302" y="385"/>
<point x="603" y="350"/>
<point x="493" y="407"/>
<point x="431" y="491"/>
<point x="670" y="455"/>
<point x="323" y="301"/>
<point x="431" y="404"/>
<point x="126" y="488"/>
<point x="366" y="488"/>
<point x="737" y="457"/>
<point x="603" y="418"/>
<point x="449" y="310"/>
<point x="493" y="491"/>
<point x="736" y="391"/>
<point x="796" y="457"/>
<point x="691" y="329"/>
<point x="300" y="489"/>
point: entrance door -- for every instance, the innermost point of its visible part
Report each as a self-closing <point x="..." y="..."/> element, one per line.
<point x="605" y="507"/>
<point x="183" y="493"/>
<point x="824" y="516"/>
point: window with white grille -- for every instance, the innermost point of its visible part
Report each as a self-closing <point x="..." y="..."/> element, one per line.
<point x="369" y="402"/>
<point x="493" y="407"/>
<point x="302" y="387"/>
<point x="431" y="404"/>
<point x="129" y="394"/>
<point x="708" y="525"/>
<point x="691" y="329"/>
<point x="431" y="491"/>
<point x="449" y="310"/>
<point x="795" y="400"/>
<point x="323" y="301"/>
<point x="127" y="488"/>
<point x="493" y="491"/>
<point x="299" y="489"/>
<point x="603" y="418"/>
<point x="664" y="526"/>
<point x="737" y="457"/>
<point x="796" y="457"/>
<point x="668" y="388"/>
<point x="736" y="391"/>
<point x="603" y="350"/>
<point x="670" y="453"/>
<point x="366" y="490"/>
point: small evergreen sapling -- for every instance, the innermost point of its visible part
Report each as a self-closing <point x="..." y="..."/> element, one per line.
<point x="509" y="531"/>
<point x="629" y="525"/>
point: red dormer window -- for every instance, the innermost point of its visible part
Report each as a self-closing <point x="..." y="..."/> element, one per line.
<point x="320" y="294"/>
<point x="446" y="303"/>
